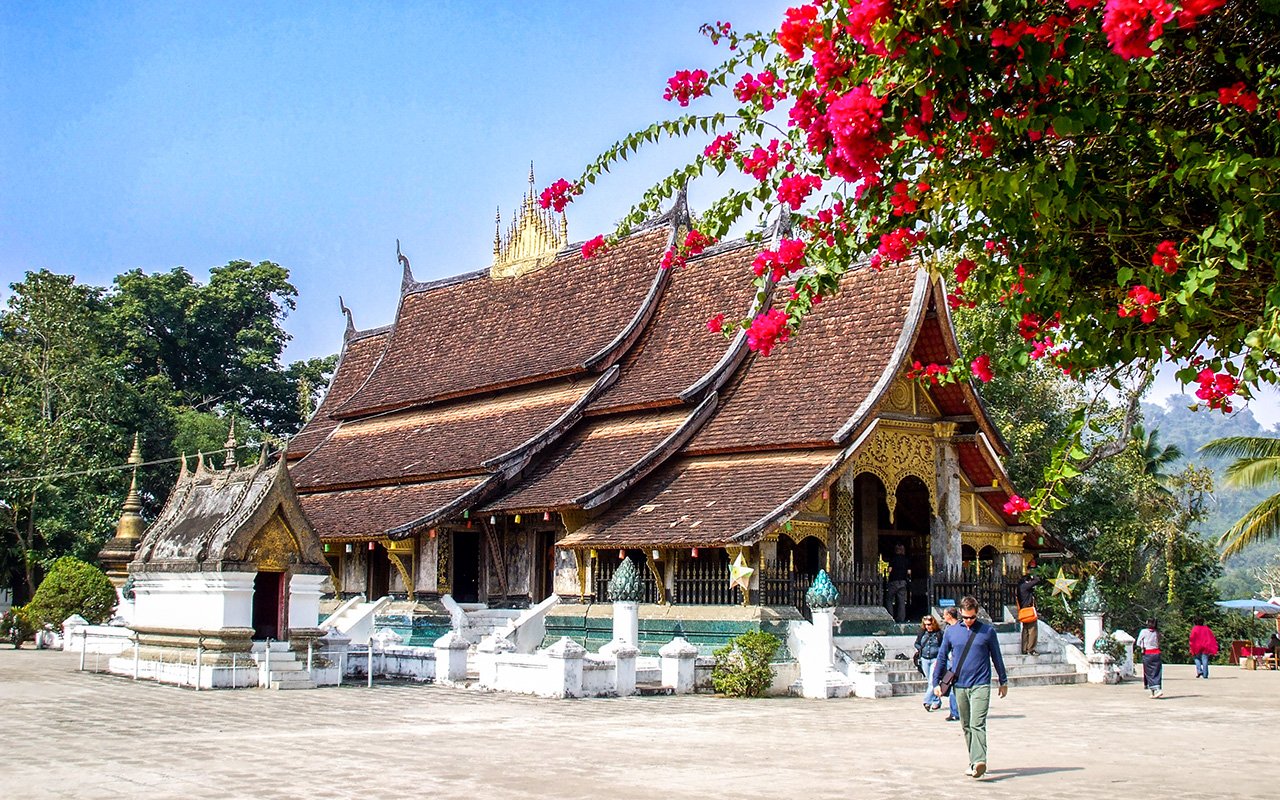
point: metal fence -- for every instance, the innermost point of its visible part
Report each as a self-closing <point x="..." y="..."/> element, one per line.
<point x="602" y="570"/>
<point x="985" y="581"/>
<point x="705" y="582"/>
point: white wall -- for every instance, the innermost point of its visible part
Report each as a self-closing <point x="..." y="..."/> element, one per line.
<point x="194" y="601"/>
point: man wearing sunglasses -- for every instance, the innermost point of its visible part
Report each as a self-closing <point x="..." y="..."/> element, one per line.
<point x="974" y="647"/>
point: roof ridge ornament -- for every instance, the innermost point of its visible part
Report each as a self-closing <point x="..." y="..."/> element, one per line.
<point x="532" y="239"/>
<point x="229" y="463"/>
<point x="406" y="280"/>
<point x="351" y="320"/>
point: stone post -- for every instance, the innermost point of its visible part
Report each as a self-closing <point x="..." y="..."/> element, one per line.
<point x="1093" y="608"/>
<point x="678" y="659"/>
<point x="1101" y="669"/>
<point x="944" y="525"/>
<point x="490" y="649"/>
<point x="1126" y="641"/>
<point x="564" y="675"/>
<point x="625" y="672"/>
<point x="816" y="658"/>
<point x="626" y="591"/>
<point x="451" y="658"/>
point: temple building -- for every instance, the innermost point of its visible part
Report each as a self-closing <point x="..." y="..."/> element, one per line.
<point x="518" y="430"/>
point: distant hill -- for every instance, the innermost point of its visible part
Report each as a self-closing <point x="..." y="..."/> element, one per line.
<point x="1189" y="430"/>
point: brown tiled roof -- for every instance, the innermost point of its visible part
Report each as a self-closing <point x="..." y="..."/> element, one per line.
<point x="704" y="501"/>
<point x="369" y="513"/>
<point x="470" y="336"/>
<point x="439" y="441"/>
<point x="597" y="451"/>
<point x="807" y="389"/>
<point x="677" y="349"/>
<point x="359" y="354"/>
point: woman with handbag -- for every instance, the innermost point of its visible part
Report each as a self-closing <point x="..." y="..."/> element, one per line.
<point x="1026" y="592"/>
<point x="928" y="640"/>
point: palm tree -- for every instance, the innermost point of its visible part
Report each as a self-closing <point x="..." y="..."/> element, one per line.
<point x="1256" y="465"/>
<point x="1156" y="458"/>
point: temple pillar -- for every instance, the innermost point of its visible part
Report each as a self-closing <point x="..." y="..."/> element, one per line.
<point x="868" y="512"/>
<point x="944" y="524"/>
<point x="426" y="577"/>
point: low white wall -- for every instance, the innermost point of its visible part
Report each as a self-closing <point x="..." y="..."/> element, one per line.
<point x="411" y="663"/>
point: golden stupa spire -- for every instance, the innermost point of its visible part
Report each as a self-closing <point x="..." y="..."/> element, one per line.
<point x="130" y="525"/>
<point x="532" y="239"/>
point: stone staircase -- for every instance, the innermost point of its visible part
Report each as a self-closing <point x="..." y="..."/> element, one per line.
<point x="1050" y="667"/>
<point x="287" y="672"/>
<point x="355" y="618"/>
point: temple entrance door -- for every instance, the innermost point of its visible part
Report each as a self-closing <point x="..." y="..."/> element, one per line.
<point x="466" y="566"/>
<point x="544" y="578"/>
<point x="379" y="573"/>
<point x="270" y="606"/>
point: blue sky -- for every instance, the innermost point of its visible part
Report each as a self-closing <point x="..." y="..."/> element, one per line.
<point x="152" y="135"/>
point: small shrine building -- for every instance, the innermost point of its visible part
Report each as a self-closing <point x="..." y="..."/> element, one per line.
<point x="518" y="430"/>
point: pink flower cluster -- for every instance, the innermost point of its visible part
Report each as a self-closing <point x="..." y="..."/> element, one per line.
<point x="1142" y="303"/>
<point x="863" y="17"/>
<point x="896" y="246"/>
<point x="1238" y="95"/>
<point x="854" y="124"/>
<point x="685" y="85"/>
<point x="716" y="323"/>
<point x="1016" y="505"/>
<point x="721" y="147"/>
<point x="1166" y="257"/>
<point x="762" y="160"/>
<point x="902" y="201"/>
<point x="767" y="330"/>
<point x="559" y="194"/>
<point x="1216" y="389"/>
<point x="695" y="241"/>
<point x="800" y="29"/>
<point x="929" y="372"/>
<point x="793" y="189"/>
<point x="593" y="247"/>
<point x="1132" y="25"/>
<point x="765" y="87"/>
<point x="981" y="368"/>
<point x="788" y="258"/>
<point x="1193" y="10"/>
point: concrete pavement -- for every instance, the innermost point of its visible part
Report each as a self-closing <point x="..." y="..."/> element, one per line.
<point x="67" y="734"/>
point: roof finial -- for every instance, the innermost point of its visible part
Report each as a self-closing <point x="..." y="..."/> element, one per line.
<point x="230" y="446"/>
<point x="407" y="279"/>
<point x="531" y="176"/>
<point x="497" y="232"/>
<point x="351" y="322"/>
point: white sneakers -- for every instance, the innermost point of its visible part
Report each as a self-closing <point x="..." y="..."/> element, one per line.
<point x="979" y="769"/>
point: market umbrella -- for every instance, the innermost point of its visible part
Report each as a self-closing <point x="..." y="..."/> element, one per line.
<point x="1252" y="606"/>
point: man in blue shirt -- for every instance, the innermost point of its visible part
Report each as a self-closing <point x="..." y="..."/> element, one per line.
<point x="973" y="678"/>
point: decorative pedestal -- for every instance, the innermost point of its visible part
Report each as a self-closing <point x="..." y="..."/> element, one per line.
<point x="487" y="653"/>
<point x="678" y="659"/>
<point x="451" y="658"/>
<point x="625" y="676"/>
<point x="871" y="680"/>
<point x="626" y="622"/>
<point x="1102" y="669"/>
<point x="1092" y="630"/>
<point x="564" y="678"/>
<point x="1128" y="669"/>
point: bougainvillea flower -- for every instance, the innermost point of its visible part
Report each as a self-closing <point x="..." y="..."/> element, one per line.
<point x="558" y="195"/>
<point x="685" y="85"/>
<point x="1166" y="257"/>
<point x="592" y="247"/>
<point x="1016" y="505"/>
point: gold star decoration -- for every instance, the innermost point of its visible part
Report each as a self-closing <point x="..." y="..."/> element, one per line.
<point x="1062" y="584"/>
<point x="740" y="574"/>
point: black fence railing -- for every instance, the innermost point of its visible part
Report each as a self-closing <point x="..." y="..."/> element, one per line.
<point x="705" y="582"/>
<point x="986" y="582"/>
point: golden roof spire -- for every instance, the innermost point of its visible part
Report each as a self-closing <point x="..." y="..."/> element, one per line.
<point x="532" y="239"/>
<point x="130" y="525"/>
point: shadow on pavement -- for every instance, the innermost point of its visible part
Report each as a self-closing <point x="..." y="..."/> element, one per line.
<point x="994" y="775"/>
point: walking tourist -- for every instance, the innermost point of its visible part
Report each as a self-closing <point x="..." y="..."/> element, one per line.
<point x="950" y="616"/>
<point x="1148" y="644"/>
<point x="928" y="641"/>
<point x="978" y="649"/>
<point x="1026" y="593"/>
<point x="1203" y="645"/>
<point x="899" y="579"/>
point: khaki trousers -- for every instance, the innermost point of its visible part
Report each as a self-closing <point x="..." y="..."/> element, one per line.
<point x="973" y="704"/>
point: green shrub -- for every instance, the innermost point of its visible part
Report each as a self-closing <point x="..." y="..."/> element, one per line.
<point x="72" y="587"/>
<point x="742" y="667"/>
<point x="16" y="627"/>
<point x="1108" y="646"/>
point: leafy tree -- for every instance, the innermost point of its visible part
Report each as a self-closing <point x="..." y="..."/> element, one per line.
<point x="1257" y="465"/>
<point x="72" y="587"/>
<point x="1100" y="172"/>
<point x="1156" y="459"/>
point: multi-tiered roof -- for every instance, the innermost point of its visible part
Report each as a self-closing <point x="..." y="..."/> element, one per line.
<point x="593" y="388"/>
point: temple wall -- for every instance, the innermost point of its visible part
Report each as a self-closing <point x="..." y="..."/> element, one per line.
<point x="567" y="579"/>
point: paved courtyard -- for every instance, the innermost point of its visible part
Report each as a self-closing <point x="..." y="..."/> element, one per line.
<point x="68" y="734"/>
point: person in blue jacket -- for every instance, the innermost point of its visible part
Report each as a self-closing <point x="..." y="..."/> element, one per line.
<point x="973" y="678"/>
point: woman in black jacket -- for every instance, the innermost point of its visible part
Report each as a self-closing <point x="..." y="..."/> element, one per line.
<point x="928" y="640"/>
